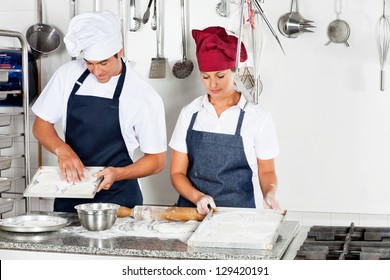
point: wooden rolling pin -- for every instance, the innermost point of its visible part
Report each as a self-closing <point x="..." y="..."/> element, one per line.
<point x="160" y="213"/>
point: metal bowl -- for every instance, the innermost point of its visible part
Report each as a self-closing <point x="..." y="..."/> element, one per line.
<point x="97" y="216"/>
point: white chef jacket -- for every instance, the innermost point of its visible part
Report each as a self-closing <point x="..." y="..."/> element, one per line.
<point x="141" y="109"/>
<point x="258" y="131"/>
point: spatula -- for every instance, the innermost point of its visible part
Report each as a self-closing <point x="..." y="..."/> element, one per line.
<point x="158" y="65"/>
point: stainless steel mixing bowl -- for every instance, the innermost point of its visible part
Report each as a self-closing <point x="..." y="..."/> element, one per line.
<point x="97" y="216"/>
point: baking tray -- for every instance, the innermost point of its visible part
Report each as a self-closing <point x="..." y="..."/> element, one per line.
<point x="6" y="204"/>
<point x="33" y="223"/>
<point x="242" y="228"/>
<point x="47" y="183"/>
<point x="6" y="161"/>
<point x="6" y="140"/>
<point x="5" y="183"/>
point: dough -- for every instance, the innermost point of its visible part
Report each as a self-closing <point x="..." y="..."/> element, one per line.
<point x="176" y="227"/>
<point x="39" y="223"/>
<point x="43" y="188"/>
<point x="49" y="176"/>
<point x="80" y="188"/>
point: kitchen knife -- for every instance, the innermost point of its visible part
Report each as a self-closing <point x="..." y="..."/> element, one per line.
<point x="160" y="213"/>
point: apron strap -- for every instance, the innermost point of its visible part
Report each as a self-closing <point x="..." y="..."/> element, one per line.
<point x="119" y="85"/>
<point x="239" y="123"/>
<point x="80" y="81"/>
<point x="193" y="120"/>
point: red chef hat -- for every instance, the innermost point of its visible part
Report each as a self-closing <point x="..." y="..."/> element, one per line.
<point x="216" y="50"/>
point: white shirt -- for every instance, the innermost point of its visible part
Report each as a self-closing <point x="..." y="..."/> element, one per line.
<point x="141" y="109"/>
<point x="257" y="131"/>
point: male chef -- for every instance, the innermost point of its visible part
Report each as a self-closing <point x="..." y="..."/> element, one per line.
<point x="107" y="111"/>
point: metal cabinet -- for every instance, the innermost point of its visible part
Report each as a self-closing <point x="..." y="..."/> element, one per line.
<point x="7" y="140"/>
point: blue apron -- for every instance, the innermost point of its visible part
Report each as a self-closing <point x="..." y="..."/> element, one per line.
<point x="218" y="167"/>
<point x="93" y="131"/>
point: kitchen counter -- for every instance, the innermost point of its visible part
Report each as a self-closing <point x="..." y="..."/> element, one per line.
<point x="69" y="241"/>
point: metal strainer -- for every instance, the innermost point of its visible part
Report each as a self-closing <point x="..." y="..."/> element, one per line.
<point x="338" y="30"/>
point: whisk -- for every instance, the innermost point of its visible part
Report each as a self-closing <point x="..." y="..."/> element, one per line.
<point x="383" y="40"/>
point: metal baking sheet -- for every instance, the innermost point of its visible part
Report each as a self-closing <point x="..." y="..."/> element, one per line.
<point x="33" y="223"/>
<point x="239" y="228"/>
<point x="6" y="204"/>
<point x="47" y="182"/>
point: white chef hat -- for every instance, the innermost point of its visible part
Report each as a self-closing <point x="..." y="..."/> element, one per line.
<point x="95" y="35"/>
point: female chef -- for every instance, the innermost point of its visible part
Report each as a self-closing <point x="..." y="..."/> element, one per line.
<point x="107" y="111"/>
<point x="220" y="141"/>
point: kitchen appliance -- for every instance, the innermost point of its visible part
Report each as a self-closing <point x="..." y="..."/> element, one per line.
<point x="159" y="63"/>
<point x="135" y="22"/>
<point x="292" y="24"/>
<point x="338" y="30"/>
<point x="223" y="8"/>
<point x="42" y="38"/>
<point x="11" y="84"/>
<point x="383" y="42"/>
<point x="145" y="17"/>
<point x="97" y="216"/>
<point x="345" y="243"/>
<point x="33" y="223"/>
<point x="182" y="69"/>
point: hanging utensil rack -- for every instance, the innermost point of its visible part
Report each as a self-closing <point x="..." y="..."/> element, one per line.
<point x="25" y="113"/>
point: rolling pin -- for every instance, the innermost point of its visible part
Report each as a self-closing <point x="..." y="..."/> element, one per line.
<point x="160" y="213"/>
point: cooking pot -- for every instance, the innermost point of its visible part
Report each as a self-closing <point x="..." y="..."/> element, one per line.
<point x="42" y="38"/>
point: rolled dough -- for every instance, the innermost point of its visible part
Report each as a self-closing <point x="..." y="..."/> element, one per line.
<point x="176" y="227"/>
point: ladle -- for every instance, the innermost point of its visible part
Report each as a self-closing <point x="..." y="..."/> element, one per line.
<point x="182" y="69"/>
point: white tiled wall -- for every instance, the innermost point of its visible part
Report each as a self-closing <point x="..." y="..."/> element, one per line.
<point x="338" y="219"/>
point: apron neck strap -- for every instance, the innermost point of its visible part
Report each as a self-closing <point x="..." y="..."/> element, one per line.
<point x="239" y="123"/>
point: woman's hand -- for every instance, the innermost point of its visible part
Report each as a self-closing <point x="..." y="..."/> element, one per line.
<point x="270" y="201"/>
<point x="204" y="204"/>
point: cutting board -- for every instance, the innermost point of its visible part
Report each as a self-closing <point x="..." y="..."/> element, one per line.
<point x="238" y="228"/>
<point x="47" y="183"/>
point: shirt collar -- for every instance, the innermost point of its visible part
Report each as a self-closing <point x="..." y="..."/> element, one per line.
<point x="206" y="103"/>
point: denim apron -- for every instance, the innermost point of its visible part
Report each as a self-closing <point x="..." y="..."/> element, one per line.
<point x="93" y="131"/>
<point x="218" y="167"/>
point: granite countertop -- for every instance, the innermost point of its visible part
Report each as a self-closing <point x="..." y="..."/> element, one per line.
<point x="74" y="239"/>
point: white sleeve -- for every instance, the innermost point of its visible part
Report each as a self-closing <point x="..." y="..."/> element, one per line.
<point x="150" y="128"/>
<point x="49" y="104"/>
<point x="266" y="141"/>
<point x="178" y="139"/>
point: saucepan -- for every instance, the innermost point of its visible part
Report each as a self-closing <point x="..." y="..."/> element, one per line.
<point x="42" y="38"/>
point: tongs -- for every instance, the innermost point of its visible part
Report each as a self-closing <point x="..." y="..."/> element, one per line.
<point x="260" y="10"/>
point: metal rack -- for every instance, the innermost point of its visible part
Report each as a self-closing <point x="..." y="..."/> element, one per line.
<point x="8" y="117"/>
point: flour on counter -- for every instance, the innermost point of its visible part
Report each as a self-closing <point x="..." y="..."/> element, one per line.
<point x="176" y="227"/>
<point x="143" y="228"/>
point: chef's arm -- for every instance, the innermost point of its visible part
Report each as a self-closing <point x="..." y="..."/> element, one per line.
<point x="71" y="167"/>
<point x="148" y="164"/>
<point x="180" y="181"/>
<point x="268" y="183"/>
